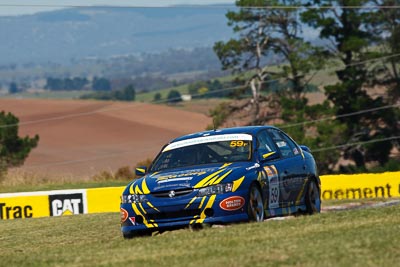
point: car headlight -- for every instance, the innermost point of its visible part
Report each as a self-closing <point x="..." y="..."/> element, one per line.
<point x="215" y="189"/>
<point x="132" y="198"/>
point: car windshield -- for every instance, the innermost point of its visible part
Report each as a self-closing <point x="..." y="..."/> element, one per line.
<point x="204" y="150"/>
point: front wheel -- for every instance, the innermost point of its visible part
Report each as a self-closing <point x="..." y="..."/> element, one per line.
<point x="313" y="199"/>
<point x="133" y="234"/>
<point x="255" y="207"/>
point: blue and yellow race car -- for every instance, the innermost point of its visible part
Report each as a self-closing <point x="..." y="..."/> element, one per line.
<point x="221" y="176"/>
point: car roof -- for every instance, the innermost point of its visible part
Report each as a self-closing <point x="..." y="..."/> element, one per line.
<point x="253" y="130"/>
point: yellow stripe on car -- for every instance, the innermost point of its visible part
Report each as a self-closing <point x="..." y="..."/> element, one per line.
<point x="268" y="154"/>
<point x="225" y="165"/>
<point x="137" y="190"/>
<point x="209" y="177"/>
<point x="201" y="203"/>
<point x="209" y="205"/>
<point x="141" y="207"/>
<point x="145" y="189"/>
<point x="237" y="183"/>
<point x="151" y="206"/>
<point x="131" y="190"/>
<point x="141" y="170"/>
<point x="190" y="202"/>
<point x="222" y="177"/>
<point x="145" y="222"/>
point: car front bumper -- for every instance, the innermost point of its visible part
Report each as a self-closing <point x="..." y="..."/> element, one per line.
<point x="159" y="214"/>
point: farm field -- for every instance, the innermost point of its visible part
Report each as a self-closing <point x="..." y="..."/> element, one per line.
<point x="81" y="138"/>
<point x="363" y="237"/>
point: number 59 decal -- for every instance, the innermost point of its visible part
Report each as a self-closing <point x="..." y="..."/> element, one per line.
<point x="273" y="179"/>
<point x="238" y="143"/>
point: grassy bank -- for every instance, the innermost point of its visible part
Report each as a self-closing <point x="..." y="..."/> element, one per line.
<point x="366" y="237"/>
<point x="28" y="182"/>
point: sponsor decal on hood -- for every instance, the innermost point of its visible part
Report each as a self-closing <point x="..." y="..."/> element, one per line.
<point x="190" y="177"/>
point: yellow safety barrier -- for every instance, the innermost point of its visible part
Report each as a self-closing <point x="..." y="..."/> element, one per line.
<point x="107" y="199"/>
<point x="42" y="204"/>
<point x="354" y="186"/>
<point x="24" y="207"/>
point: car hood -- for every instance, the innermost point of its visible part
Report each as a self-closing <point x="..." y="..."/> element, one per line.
<point x="193" y="177"/>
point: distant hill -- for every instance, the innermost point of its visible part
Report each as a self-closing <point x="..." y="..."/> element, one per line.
<point x="71" y="34"/>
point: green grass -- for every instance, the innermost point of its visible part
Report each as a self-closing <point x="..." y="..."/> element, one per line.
<point x="367" y="237"/>
<point x="322" y="78"/>
<point x="149" y="97"/>
<point x="183" y="89"/>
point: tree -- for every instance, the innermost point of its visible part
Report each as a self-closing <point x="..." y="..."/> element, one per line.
<point x="13" y="149"/>
<point x="347" y="30"/>
<point x="157" y="97"/>
<point x="276" y="33"/>
<point x="126" y="94"/>
<point x="129" y="93"/>
<point x="101" y="84"/>
<point x="247" y="52"/>
<point x="54" y="84"/>
<point x="268" y="33"/>
<point x="67" y="84"/>
<point x="13" y="88"/>
<point x="174" y="97"/>
<point x="386" y="26"/>
<point x="193" y="88"/>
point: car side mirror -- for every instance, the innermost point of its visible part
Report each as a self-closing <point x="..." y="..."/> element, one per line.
<point x="268" y="156"/>
<point x="140" y="171"/>
<point x="305" y="148"/>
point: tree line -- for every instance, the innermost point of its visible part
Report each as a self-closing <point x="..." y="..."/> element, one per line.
<point x="126" y="94"/>
<point x="77" y="83"/>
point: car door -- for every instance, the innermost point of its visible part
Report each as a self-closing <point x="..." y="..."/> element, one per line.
<point x="269" y="157"/>
<point x="291" y="167"/>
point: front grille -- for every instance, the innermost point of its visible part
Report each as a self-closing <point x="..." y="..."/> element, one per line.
<point x="174" y="214"/>
<point x="177" y="193"/>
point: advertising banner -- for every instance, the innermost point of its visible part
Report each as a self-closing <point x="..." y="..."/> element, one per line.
<point x="355" y="186"/>
<point x="107" y="199"/>
<point x="42" y="204"/>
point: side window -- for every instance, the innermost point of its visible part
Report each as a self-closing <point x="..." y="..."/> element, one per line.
<point x="265" y="144"/>
<point x="284" y="144"/>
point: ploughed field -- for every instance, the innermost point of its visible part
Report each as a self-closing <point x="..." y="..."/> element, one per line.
<point x="82" y="137"/>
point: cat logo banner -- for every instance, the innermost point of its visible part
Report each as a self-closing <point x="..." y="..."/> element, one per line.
<point x="67" y="204"/>
<point x="42" y="204"/>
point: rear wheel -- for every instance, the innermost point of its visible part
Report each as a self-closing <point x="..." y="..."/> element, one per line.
<point x="313" y="199"/>
<point x="255" y="207"/>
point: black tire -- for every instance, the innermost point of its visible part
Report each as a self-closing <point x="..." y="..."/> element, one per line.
<point x="255" y="205"/>
<point x="313" y="198"/>
<point x="130" y="235"/>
